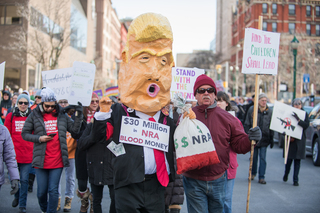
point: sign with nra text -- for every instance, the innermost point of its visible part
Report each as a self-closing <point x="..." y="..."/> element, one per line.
<point x="146" y="133"/>
<point x="260" y="52"/>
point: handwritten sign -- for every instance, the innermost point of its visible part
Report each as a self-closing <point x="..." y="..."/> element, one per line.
<point x="59" y="81"/>
<point x="183" y="81"/>
<point x="260" y="52"/>
<point x="2" y="68"/>
<point x="283" y="121"/>
<point x="142" y="132"/>
<point x="82" y="83"/>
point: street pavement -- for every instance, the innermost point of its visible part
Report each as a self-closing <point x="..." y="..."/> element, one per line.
<point x="276" y="196"/>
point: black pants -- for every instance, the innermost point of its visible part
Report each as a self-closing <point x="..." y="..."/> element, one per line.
<point x="296" y="169"/>
<point x="144" y="197"/>
<point x="97" y="193"/>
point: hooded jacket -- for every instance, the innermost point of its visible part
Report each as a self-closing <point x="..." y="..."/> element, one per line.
<point x="5" y="104"/>
<point x="226" y="132"/>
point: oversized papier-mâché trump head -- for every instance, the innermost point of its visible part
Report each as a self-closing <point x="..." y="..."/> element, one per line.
<point x="145" y="71"/>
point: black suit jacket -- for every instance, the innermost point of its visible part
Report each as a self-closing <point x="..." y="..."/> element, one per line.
<point x="129" y="168"/>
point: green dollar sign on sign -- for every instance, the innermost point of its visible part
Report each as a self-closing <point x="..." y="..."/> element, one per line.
<point x="199" y="129"/>
<point x="176" y="144"/>
<point x="185" y="143"/>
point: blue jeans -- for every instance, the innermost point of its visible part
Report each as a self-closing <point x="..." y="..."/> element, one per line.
<point x="70" y="179"/>
<point x="205" y="196"/>
<point x="228" y="201"/>
<point x="262" y="152"/>
<point x="296" y="169"/>
<point x="48" y="182"/>
<point x="22" y="193"/>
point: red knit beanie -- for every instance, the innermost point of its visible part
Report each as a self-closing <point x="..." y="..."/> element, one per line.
<point x="94" y="95"/>
<point x="203" y="80"/>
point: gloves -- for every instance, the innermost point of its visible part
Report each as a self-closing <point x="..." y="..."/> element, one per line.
<point x="271" y="143"/>
<point x="255" y="134"/>
<point x="14" y="186"/>
<point x="79" y="107"/>
<point x="295" y="116"/>
<point x="105" y="104"/>
<point x="191" y="114"/>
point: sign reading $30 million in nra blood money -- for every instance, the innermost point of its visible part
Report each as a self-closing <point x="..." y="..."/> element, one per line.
<point x="260" y="52"/>
<point x="142" y="132"/>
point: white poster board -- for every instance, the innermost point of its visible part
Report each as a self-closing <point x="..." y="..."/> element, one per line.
<point x="146" y="133"/>
<point x="81" y="86"/>
<point x="59" y="81"/>
<point x="183" y="79"/>
<point x="260" y="52"/>
<point x="2" y="68"/>
<point x="283" y="121"/>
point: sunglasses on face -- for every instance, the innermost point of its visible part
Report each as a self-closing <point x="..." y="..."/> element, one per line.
<point x="297" y="103"/>
<point x="23" y="103"/>
<point x="202" y="90"/>
<point x="63" y="102"/>
<point x="94" y="101"/>
<point x="38" y="97"/>
<point x="49" y="106"/>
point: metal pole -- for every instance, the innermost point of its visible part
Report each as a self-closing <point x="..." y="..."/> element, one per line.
<point x="294" y="72"/>
<point x="227" y="73"/>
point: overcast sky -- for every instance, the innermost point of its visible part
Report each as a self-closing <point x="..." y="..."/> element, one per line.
<point x="192" y="21"/>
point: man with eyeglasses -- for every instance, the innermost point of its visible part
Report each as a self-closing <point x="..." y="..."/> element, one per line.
<point x="263" y="121"/>
<point x="205" y="187"/>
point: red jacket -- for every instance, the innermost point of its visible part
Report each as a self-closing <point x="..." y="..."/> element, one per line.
<point x="224" y="128"/>
<point x="22" y="148"/>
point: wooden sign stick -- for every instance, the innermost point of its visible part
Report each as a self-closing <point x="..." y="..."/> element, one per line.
<point x="254" y="123"/>
<point x="287" y="149"/>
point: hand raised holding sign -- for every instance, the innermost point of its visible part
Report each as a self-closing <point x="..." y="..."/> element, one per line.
<point x="105" y="104"/>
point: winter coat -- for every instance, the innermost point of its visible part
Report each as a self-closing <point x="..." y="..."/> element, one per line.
<point x="297" y="148"/>
<point x="15" y="123"/>
<point x="5" y="104"/>
<point x="226" y="132"/>
<point x="263" y="121"/>
<point x="99" y="158"/>
<point x="34" y="127"/>
<point x="7" y="155"/>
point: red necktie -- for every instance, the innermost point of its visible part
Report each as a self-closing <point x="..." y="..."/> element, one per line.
<point x="162" y="173"/>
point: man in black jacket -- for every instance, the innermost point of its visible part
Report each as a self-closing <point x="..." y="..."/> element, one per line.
<point x="141" y="172"/>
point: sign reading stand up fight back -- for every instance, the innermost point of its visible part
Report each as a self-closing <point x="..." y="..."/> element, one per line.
<point x="260" y="52"/>
<point x="183" y="79"/>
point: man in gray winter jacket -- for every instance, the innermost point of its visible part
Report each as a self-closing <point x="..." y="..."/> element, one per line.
<point x="263" y="121"/>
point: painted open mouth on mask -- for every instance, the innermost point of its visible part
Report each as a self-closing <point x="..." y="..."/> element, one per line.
<point x="153" y="90"/>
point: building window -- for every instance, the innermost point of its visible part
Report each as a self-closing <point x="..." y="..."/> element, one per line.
<point x="317" y="30"/>
<point x="264" y="26"/>
<point x="274" y="27"/>
<point x="9" y="15"/>
<point x="308" y="10"/>
<point x="78" y="24"/>
<point x="264" y="8"/>
<point x="292" y="9"/>
<point x="274" y="8"/>
<point x="292" y="28"/>
<point x="317" y="10"/>
<point x="308" y="29"/>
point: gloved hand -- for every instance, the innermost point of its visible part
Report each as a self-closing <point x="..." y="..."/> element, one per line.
<point x="189" y="114"/>
<point x="105" y="104"/>
<point x="79" y="107"/>
<point x="271" y="143"/>
<point x="295" y="116"/>
<point x="14" y="186"/>
<point x="255" y="133"/>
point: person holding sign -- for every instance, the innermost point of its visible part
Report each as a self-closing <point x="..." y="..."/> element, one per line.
<point x="141" y="171"/>
<point x="205" y="188"/>
<point x="263" y="121"/>
<point x="47" y="127"/>
<point x="297" y="148"/>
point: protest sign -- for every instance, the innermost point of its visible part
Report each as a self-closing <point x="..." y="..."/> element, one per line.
<point x="82" y="83"/>
<point x="99" y="92"/>
<point x="59" y="81"/>
<point x="112" y="91"/>
<point x="260" y="52"/>
<point x="2" y="68"/>
<point x="183" y="79"/>
<point x="142" y="132"/>
<point x="283" y="121"/>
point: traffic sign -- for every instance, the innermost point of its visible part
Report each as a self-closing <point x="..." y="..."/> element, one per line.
<point x="306" y="78"/>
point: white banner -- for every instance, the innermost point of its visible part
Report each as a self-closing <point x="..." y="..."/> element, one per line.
<point x="183" y="81"/>
<point x="260" y="52"/>
<point x="2" y="68"/>
<point x="82" y="83"/>
<point x="142" y="132"/>
<point x="283" y="121"/>
<point x="59" y="81"/>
